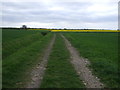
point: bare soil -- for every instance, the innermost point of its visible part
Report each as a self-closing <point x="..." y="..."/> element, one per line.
<point x="38" y="72"/>
<point x="80" y="64"/>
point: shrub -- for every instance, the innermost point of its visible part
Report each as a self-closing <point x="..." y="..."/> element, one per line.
<point x="44" y="33"/>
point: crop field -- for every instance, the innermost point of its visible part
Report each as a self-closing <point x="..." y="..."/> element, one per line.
<point x="23" y="51"/>
<point x="102" y="51"/>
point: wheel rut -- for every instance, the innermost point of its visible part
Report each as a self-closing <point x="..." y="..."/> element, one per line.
<point x="80" y="65"/>
<point x="38" y="72"/>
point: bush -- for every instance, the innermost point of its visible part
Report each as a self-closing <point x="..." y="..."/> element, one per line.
<point x="44" y="33"/>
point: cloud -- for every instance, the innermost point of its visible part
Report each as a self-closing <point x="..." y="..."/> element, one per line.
<point x="60" y="13"/>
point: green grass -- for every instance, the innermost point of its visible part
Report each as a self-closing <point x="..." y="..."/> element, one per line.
<point x="13" y="40"/>
<point x="60" y="73"/>
<point x="14" y="45"/>
<point x="11" y="34"/>
<point x="102" y="50"/>
<point x="17" y="66"/>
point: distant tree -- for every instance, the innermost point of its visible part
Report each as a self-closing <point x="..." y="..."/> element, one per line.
<point x="24" y="27"/>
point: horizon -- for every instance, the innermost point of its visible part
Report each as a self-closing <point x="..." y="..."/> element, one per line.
<point x="63" y="28"/>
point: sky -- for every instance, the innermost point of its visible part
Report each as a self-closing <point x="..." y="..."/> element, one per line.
<point x="76" y="14"/>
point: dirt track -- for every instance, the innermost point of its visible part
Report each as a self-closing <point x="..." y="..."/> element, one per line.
<point x="81" y="68"/>
<point x="79" y="63"/>
<point x="38" y="71"/>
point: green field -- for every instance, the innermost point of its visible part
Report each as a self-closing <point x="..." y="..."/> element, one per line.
<point x="102" y="51"/>
<point x="23" y="49"/>
<point x="20" y="55"/>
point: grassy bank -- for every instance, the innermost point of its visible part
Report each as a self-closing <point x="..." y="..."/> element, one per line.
<point x="102" y="50"/>
<point x="17" y="66"/>
<point x="60" y="72"/>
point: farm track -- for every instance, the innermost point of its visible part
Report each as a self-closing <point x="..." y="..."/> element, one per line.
<point x="38" y="72"/>
<point x="81" y="68"/>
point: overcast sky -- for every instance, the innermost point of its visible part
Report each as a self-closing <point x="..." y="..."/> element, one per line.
<point x="60" y="13"/>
